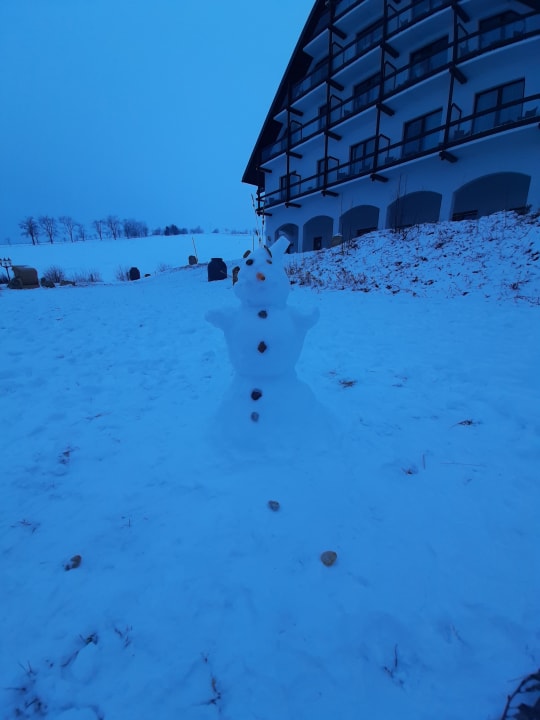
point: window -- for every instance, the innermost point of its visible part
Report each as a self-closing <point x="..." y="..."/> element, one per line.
<point x="321" y="116"/>
<point x="283" y="187"/>
<point x="329" y="167"/>
<point x="367" y="91"/>
<point x="296" y="132"/>
<point x="429" y="58"/>
<point x="289" y="185"/>
<point x="422" y="133"/>
<point x="362" y="156"/>
<point x="498" y="28"/>
<point x="421" y="7"/>
<point x="495" y="100"/>
<point x="321" y="165"/>
<point x="369" y="37"/>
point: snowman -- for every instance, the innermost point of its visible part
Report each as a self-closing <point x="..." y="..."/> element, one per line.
<point x="266" y="403"/>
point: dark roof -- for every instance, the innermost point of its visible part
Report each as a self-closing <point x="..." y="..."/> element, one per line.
<point x="296" y="70"/>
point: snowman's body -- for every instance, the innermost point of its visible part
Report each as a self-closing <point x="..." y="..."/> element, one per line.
<point x="264" y="337"/>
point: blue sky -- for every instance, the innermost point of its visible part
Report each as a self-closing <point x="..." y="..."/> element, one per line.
<point x="137" y="108"/>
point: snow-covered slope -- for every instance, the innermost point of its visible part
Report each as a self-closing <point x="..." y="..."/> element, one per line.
<point x="496" y="257"/>
<point x="144" y="573"/>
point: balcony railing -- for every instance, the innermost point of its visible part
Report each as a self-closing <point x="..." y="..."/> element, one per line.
<point x="400" y="18"/>
<point x="514" y="30"/>
<point x="444" y="138"/>
<point x="399" y="78"/>
<point x="469" y="43"/>
<point x="310" y="81"/>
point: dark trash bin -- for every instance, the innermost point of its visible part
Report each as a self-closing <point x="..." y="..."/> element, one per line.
<point x="134" y="273"/>
<point x="217" y="269"/>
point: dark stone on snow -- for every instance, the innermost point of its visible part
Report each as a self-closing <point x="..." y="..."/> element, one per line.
<point x="134" y="273"/>
<point x="235" y="272"/>
<point x="262" y="346"/>
<point x="192" y="260"/>
<point x="26" y="277"/>
<point x="256" y="394"/>
<point x="217" y="269"/>
<point x="46" y="283"/>
<point x="262" y="314"/>
<point x="250" y="261"/>
<point x="255" y="416"/>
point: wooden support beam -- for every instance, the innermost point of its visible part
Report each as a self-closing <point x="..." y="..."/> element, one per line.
<point x="336" y="85"/>
<point x="333" y="135"/>
<point x="294" y="111"/>
<point x="329" y="192"/>
<point x="385" y="109"/>
<point x="462" y="14"/>
<point x="458" y="74"/>
<point x="390" y="50"/>
<point x="293" y="154"/>
<point x="445" y="155"/>
<point x="379" y="178"/>
<point x="291" y="204"/>
<point x="336" y="31"/>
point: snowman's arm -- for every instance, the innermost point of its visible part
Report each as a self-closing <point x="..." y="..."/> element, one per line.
<point x="220" y="318"/>
<point x="305" y="320"/>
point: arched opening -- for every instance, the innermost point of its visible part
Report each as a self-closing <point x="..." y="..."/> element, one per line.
<point x="290" y="230"/>
<point x="423" y="206"/>
<point x="491" y="193"/>
<point x="317" y="233"/>
<point x="358" y="221"/>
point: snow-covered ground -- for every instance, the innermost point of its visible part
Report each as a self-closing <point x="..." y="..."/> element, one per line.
<point x="109" y="258"/>
<point x="143" y="572"/>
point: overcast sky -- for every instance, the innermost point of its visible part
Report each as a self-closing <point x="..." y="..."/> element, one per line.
<point x="137" y="108"/>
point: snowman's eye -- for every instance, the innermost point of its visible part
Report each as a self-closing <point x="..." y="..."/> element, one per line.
<point x="249" y="262"/>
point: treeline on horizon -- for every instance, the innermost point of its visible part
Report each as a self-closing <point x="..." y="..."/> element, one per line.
<point x="46" y="228"/>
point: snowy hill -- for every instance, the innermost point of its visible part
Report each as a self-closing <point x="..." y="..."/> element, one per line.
<point x="150" y="571"/>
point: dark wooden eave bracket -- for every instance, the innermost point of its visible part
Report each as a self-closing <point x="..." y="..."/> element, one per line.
<point x="336" y="31"/>
<point x="291" y="204"/>
<point x="445" y="155"/>
<point x="263" y="212"/>
<point x="332" y="135"/>
<point x="336" y="85"/>
<point x="379" y="178"/>
<point x="458" y="74"/>
<point x="295" y="111"/>
<point x="264" y="170"/>
<point x="331" y="193"/>
<point x="385" y="109"/>
<point x="462" y="14"/>
<point x="293" y="154"/>
<point x="390" y="50"/>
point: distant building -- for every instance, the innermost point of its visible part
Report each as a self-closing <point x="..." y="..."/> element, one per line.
<point x="392" y="113"/>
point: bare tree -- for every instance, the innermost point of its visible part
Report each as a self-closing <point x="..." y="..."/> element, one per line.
<point x="135" y="228"/>
<point x="81" y="232"/>
<point x="69" y="226"/>
<point x="30" y="228"/>
<point x="48" y="225"/>
<point x="114" y="226"/>
<point x="98" y="226"/>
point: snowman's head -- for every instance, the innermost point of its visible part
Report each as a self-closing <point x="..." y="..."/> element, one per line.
<point x="262" y="279"/>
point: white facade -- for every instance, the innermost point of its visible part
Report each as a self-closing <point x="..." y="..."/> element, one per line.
<point x="394" y="113"/>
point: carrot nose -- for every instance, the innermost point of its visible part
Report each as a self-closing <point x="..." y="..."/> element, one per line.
<point x="260" y="276"/>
